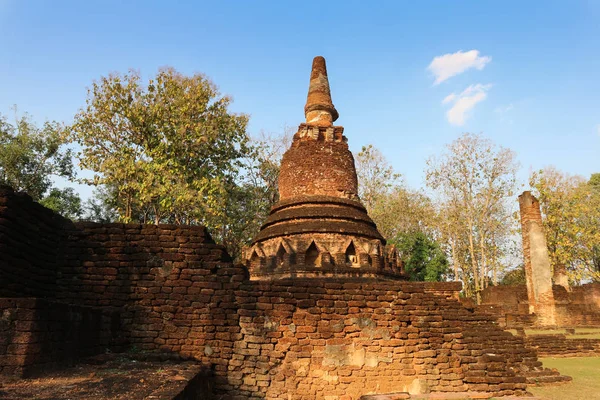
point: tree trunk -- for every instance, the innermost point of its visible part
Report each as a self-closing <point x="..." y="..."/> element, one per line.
<point x="484" y="271"/>
<point x="454" y="259"/>
<point x="474" y="263"/>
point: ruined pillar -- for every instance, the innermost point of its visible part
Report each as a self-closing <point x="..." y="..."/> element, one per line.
<point x="538" y="273"/>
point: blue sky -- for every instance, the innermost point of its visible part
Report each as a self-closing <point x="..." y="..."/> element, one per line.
<point x="523" y="73"/>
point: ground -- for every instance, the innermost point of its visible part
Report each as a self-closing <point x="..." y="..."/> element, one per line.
<point x="586" y="379"/>
<point x="580" y="333"/>
<point x="105" y="377"/>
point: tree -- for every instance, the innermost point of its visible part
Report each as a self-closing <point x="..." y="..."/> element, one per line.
<point x="100" y="207"/>
<point x="376" y="177"/>
<point x="403" y="216"/>
<point x="475" y="178"/>
<point x="570" y="207"/>
<point x="251" y="198"/>
<point x="30" y="156"/>
<point x="168" y="150"/>
<point x="423" y="258"/>
<point x="514" y="277"/>
<point x="65" y="202"/>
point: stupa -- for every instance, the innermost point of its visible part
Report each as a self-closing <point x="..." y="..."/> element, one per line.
<point x="319" y="227"/>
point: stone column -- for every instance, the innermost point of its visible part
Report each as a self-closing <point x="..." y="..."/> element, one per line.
<point x="538" y="272"/>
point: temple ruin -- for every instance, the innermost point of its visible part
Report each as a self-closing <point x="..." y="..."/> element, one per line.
<point x="319" y="226"/>
<point x="538" y="273"/>
<point x="319" y="311"/>
<point x="546" y="300"/>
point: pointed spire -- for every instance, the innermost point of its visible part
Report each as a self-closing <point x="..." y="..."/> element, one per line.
<point x="319" y="109"/>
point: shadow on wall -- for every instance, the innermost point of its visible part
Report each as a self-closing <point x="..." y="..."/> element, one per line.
<point x="160" y="288"/>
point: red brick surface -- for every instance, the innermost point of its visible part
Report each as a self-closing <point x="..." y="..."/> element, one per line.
<point x="173" y="290"/>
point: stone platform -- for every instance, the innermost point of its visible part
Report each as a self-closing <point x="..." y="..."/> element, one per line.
<point x="114" y="377"/>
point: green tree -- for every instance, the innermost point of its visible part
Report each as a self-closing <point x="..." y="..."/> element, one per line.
<point x="30" y="155"/>
<point x="475" y="179"/>
<point x="250" y="200"/>
<point x="570" y="207"/>
<point x="65" y="202"/>
<point x="169" y="150"/>
<point x="423" y="258"/>
<point x="514" y="277"/>
<point x="376" y="177"/>
<point x="406" y="218"/>
<point x="100" y="207"/>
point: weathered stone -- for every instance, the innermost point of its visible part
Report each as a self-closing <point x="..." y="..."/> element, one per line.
<point x="319" y="227"/>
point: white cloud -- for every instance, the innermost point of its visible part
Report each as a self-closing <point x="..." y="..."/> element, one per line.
<point x="598" y="129"/>
<point x="464" y="102"/>
<point x="451" y="64"/>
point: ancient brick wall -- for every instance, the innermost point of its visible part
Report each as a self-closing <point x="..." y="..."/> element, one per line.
<point x="340" y="339"/>
<point x="30" y="237"/>
<point x="561" y="346"/>
<point x="171" y="285"/>
<point x="509" y="303"/>
<point x="538" y="272"/>
<point x="172" y="289"/>
<point x="174" y="286"/>
<point x="37" y="333"/>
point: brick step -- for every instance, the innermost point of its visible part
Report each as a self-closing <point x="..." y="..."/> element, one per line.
<point x="549" y="380"/>
<point x="442" y="396"/>
<point x="546" y="372"/>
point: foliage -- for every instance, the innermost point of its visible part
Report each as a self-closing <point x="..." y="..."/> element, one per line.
<point x="514" y="277"/>
<point x="100" y="208"/>
<point x="423" y="258"/>
<point x="406" y="218"/>
<point x="251" y="198"/>
<point x="570" y="207"/>
<point x="169" y="150"/>
<point x="65" y="202"/>
<point x="474" y="180"/>
<point x="30" y="155"/>
<point x="376" y="177"/>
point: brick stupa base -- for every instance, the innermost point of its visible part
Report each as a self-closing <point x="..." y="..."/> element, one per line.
<point x="172" y="290"/>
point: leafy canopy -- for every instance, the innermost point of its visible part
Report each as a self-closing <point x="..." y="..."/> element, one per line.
<point x="30" y="155"/>
<point x="167" y="149"/>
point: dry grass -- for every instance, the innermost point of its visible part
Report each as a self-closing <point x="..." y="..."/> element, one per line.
<point x="586" y="379"/>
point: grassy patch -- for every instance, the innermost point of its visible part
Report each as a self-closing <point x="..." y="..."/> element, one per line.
<point x="586" y="379"/>
<point x="587" y="330"/>
<point x="545" y="331"/>
<point x="584" y="336"/>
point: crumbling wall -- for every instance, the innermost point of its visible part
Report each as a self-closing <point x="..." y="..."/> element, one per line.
<point x="509" y="304"/>
<point x="171" y="286"/>
<point x="30" y="237"/>
<point x="37" y="333"/>
<point x="174" y="286"/>
<point x="538" y="272"/>
<point x="320" y="338"/>
<point x="558" y="345"/>
<point x="172" y="289"/>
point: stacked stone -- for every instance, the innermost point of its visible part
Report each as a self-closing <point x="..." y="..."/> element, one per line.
<point x="559" y="345"/>
<point x="36" y="334"/>
<point x="173" y="285"/>
<point x="172" y="289"/>
<point x="29" y="242"/>
<point x="341" y="339"/>
<point x="509" y="303"/>
<point x="319" y="227"/>
<point x="538" y="272"/>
